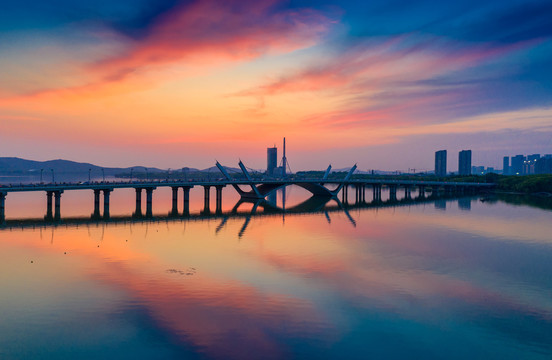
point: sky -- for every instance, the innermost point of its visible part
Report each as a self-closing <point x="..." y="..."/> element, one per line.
<point x="172" y="83"/>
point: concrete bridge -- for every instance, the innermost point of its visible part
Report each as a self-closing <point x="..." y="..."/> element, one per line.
<point x="248" y="189"/>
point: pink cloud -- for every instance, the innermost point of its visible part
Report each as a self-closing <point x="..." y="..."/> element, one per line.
<point x="204" y="33"/>
<point x="230" y="30"/>
<point x="396" y="82"/>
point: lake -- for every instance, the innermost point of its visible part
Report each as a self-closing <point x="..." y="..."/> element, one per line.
<point x="440" y="278"/>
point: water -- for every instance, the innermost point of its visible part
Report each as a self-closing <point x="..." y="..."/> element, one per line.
<point x="449" y="278"/>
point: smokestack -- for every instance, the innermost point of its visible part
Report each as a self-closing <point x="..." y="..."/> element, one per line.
<point x="284" y="160"/>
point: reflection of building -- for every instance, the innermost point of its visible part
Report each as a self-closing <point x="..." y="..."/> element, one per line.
<point x="506" y="165"/>
<point x="271" y="160"/>
<point x="517" y="165"/>
<point x="441" y="204"/>
<point x="441" y="163"/>
<point x="464" y="162"/>
<point x="464" y="203"/>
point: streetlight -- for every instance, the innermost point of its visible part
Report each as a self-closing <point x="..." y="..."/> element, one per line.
<point x="53" y="180"/>
<point x="41" y="171"/>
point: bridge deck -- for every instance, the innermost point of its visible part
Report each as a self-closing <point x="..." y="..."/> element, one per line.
<point x="192" y="183"/>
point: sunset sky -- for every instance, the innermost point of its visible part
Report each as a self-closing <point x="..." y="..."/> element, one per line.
<point x="172" y="83"/>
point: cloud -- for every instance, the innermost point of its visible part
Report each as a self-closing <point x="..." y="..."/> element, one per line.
<point x="404" y="80"/>
<point x="191" y="35"/>
<point x="230" y="30"/>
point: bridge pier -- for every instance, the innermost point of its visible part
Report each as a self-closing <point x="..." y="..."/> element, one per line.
<point x="107" y="193"/>
<point x="186" y="210"/>
<point x="407" y="192"/>
<point x="345" y="194"/>
<point x="96" y="213"/>
<point x="49" y="213"/>
<point x="174" y="210"/>
<point x="393" y="192"/>
<point x="206" y="199"/>
<point x="57" y="204"/>
<point x="218" y="188"/>
<point x="138" y="209"/>
<point x="149" y="201"/>
<point x="376" y="190"/>
<point x="421" y="191"/>
<point x="2" y="207"/>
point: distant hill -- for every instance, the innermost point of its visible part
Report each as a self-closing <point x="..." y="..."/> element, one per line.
<point x="214" y="169"/>
<point x="18" y="166"/>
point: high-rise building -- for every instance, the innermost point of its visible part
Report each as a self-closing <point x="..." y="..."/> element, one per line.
<point x="464" y="162"/>
<point x="517" y="165"/>
<point x="506" y="165"/>
<point x="441" y="163"/>
<point x="271" y="160"/>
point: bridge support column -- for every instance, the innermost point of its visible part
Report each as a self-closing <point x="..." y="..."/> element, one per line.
<point x="57" y="204"/>
<point x="149" y="201"/>
<point x="107" y="193"/>
<point x="363" y="193"/>
<point x="174" y="210"/>
<point x="376" y="192"/>
<point x="407" y="193"/>
<point x="186" y="210"/>
<point x="421" y="191"/>
<point x="2" y="207"/>
<point x="393" y="192"/>
<point x="218" y="209"/>
<point x="49" y="213"/>
<point x="138" y="209"/>
<point x="206" y="200"/>
<point x="345" y="193"/>
<point x="357" y="194"/>
<point x="96" y="213"/>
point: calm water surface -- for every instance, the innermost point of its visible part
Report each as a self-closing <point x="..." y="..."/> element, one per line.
<point x="451" y="279"/>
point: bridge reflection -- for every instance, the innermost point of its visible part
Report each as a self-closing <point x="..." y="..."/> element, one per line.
<point x="259" y="208"/>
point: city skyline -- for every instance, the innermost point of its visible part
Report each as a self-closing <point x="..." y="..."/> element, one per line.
<point x="182" y="83"/>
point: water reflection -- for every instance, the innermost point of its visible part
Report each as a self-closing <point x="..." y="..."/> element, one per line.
<point x="406" y="280"/>
<point x="253" y="207"/>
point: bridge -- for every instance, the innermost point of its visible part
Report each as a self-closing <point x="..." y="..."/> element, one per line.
<point x="247" y="187"/>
